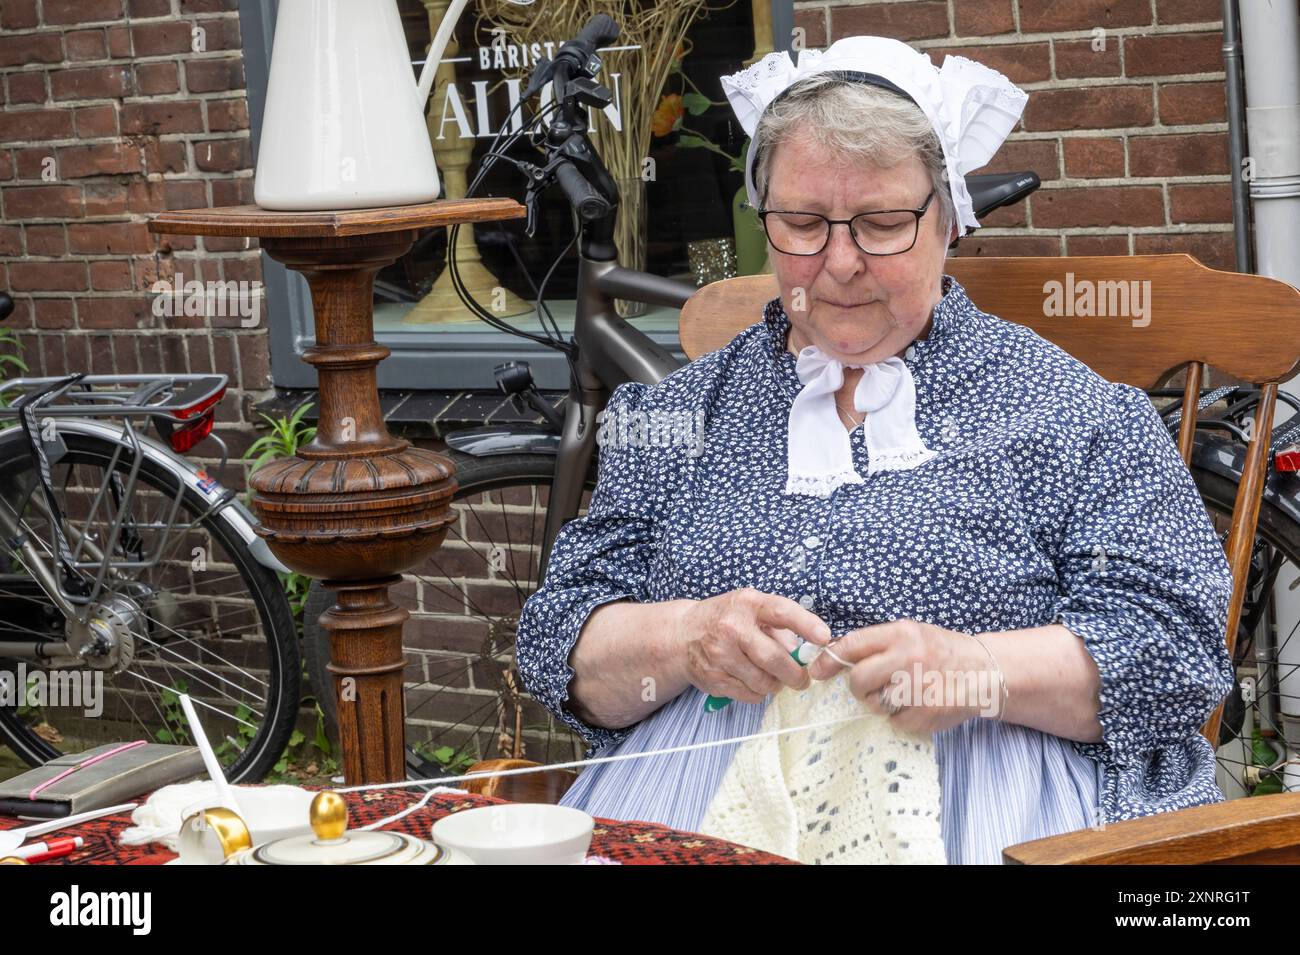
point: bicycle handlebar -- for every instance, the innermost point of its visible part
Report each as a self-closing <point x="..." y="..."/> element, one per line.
<point x="599" y="31"/>
<point x="589" y="204"/>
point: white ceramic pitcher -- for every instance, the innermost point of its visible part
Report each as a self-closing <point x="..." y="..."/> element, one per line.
<point x="344" y="121"/>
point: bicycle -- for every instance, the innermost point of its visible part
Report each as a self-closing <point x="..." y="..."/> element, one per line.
<point x="519" y="485"/>
<point x="1258" y="748"/>
<point x="128" y="575"/>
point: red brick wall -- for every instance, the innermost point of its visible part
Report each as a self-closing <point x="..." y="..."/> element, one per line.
<point x="1130" y="141"/>
<point x="110" y="113"/>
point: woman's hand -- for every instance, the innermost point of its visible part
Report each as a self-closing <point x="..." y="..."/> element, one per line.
<point x="738" y="644"/>
<point x="935" y="678"/>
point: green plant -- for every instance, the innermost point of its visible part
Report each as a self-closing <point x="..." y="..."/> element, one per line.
<point x="10" y="361"/>
<point x="445" y="756"/>
<point x="228" y="750"/>
<point x="329" y="763"/>
<point x="1262" y="755"/>
<point x="287" y="435"/>
<point x="177" y="727"/>
<point x="176" y="730"/>
<point x="296" y="739"/>
<point x="296" y="761"/>
<point x="294" y="752"/>
<point x="296" y="587"/>
<point x="326" y="763"/>
<point x="26" y="711"/>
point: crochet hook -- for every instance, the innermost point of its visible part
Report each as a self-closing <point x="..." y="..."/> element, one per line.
<point x="803" y="654"/>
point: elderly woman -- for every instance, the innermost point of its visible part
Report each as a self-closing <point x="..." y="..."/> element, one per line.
<point x="888" y="468"/>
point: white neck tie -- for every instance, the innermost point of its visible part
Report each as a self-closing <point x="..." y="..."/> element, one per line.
<point x="820" y="457"/>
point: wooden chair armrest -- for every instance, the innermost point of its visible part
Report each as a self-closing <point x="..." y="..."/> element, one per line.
<point x="1258" y="830"/>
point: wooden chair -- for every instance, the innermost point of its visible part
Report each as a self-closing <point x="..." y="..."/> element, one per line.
<point x="1247" y="326"/>
<point x="1261" y="830"/>
<point x="547" y="787"/>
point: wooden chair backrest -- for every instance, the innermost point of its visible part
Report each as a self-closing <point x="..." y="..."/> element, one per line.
<point x="1195" y="314"/>
<point x="1248" y="326"/>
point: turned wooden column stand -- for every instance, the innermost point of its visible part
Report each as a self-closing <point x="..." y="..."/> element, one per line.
<point x="356" y="506"/>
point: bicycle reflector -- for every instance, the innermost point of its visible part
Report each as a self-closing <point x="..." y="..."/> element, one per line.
<point x="1288" y="460"/>
<point x="197" y="423"/>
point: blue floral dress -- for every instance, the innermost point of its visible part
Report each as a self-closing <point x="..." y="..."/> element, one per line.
<point x="1056" y="497"/>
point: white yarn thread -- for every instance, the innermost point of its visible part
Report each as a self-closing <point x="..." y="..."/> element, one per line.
<point x="415" y="807"/>
<point x="831" y="653"/>
<point x="523" y="771"/>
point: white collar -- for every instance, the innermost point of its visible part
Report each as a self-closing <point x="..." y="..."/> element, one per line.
<point x="819" y="454"/>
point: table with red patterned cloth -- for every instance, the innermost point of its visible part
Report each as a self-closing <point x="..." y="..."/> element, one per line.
<point x="629" y="843"/>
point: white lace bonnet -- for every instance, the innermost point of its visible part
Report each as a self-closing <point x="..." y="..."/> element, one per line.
<point x="971" y="107"/>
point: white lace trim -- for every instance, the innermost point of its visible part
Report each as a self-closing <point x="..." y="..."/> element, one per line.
<point x="769" y="66"/>
<point x="819" y="485"/>
<point x="982" y="86"/>
<point x="898" y="459"/>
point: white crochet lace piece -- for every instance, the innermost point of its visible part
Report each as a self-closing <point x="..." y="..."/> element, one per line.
<point x="856" y="792"/>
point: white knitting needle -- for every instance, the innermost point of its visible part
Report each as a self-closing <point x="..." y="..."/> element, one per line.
<point x="224" y="789"/>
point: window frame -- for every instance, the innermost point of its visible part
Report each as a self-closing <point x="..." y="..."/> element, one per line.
<point x="420" y="359"/>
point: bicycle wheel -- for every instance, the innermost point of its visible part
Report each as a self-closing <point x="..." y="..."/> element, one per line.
<point x="1260" y="728"/>
<point x="205" y="618"/>
<point x="464" y="698"/>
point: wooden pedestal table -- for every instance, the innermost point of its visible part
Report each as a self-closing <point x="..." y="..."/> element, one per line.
<point x="356" y="507"/>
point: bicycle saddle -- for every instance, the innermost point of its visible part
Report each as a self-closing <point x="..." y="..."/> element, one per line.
<point x="989" y="192"/>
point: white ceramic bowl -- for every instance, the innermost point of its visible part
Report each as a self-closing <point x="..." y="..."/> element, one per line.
<point x="517" y="834"/>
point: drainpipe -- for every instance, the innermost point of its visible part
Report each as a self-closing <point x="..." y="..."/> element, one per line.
<point x="1270" y="40"/>
<point x="1236" y="137"/>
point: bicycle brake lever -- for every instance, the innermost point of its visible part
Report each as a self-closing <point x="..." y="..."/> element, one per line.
<point x="530" y="224"/>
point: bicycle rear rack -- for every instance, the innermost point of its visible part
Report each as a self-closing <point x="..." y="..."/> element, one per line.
<point x="178" y="405"/>
<point x="178" y="397"/>
<point x="1240" y="399"/>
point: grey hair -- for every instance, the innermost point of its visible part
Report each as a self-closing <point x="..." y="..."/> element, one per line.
<point x="852" y="121"/>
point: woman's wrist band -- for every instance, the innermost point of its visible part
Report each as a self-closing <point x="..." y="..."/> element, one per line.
<point x="1002" y="681"/>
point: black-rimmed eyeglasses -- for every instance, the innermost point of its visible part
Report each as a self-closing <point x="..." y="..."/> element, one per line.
<point x="877" y="232"/>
